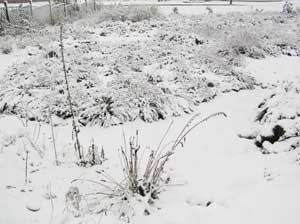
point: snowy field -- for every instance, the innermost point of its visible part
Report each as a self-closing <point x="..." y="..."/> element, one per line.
<point x="240" y="168"/>
<point x="199" y="7"/>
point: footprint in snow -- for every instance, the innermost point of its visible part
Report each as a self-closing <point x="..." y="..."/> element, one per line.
<point x="194" y="200"/>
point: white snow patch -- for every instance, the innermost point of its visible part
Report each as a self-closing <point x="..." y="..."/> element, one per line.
<point x="272" y="70"/>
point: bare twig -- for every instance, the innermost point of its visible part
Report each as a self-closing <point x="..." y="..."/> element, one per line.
<point x="51" y="200"/>
<point x="75" y="128"/>
<point x="53" y="137"/>
<point x="26" y="167"/>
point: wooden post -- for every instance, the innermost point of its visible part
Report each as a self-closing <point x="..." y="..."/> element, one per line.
<point x="94" y="5"/>
<point x="230" y="2"/>
<point x="86" y="6"/>
<point x="6" y="11"/>
<point x="50" y="11"/>
<point x="65" y="7"/>
<point x="30" y="6"/>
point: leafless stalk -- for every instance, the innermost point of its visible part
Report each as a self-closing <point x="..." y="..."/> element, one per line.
<point x="102" y="156"/>
<point x="75" y="128"/>
<point x="53" y="137"/>
<point x="35" y="147"/>
<point x="51" y="200"/>
<point x="157" y="159"/>
<point x="26" y="167"/>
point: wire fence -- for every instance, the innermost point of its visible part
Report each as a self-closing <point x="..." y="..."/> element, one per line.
<point x="47" y="13"/>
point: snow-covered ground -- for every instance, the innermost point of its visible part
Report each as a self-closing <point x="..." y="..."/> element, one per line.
<point x="217" y="177"/>
<point x="215" y="166"/>
<point x="273" y="69"/>
<point x="200" y="7"/>
<point x="8" y="60"/>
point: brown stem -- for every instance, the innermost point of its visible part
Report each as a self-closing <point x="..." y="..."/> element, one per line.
<point x="75" y="129"/>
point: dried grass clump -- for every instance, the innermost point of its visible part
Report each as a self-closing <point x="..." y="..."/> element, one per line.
<point x="144" y="173"/>
<point x="148" y="181"/>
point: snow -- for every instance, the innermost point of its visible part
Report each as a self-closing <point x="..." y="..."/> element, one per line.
<point x="217" y="177"/>
<point x="214" y="166"/>
<point x="10" y="59"/>
<point x="273" y="69"/>
<point x="219" y="7"/>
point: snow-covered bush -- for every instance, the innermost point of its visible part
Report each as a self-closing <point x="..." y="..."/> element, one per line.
<point x="244" y="42"/>
<point x="127" y="13"/>
<point x="175" y="10"/>
<point x="169" y="67"/>
<point x="6" y="49"/>
<point x="288" y="7"/>
<point x="277" y="121"/>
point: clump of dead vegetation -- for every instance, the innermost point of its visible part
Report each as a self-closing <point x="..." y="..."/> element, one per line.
<point x="144" y="174"/>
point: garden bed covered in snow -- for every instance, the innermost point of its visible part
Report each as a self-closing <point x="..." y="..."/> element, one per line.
<point x="151" y="69"/>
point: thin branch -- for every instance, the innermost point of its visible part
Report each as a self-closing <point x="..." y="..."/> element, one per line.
<point x="53" y="137"/>
<point x="75" y="128"/>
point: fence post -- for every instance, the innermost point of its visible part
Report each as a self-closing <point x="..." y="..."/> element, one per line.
<point x="30" y="6"/>
<point x="50" y="11"/>
<point x="94" y="5"/>
<point x="86" y="6"/>
<point x="65" y="7"/>
<point x="6" y="11"/>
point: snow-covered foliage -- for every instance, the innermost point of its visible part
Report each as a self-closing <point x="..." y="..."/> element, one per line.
<point x="127" y="13"/>
<point x="122" y="71"/>
<point x="277" y="121"/>
<point x="288" y="7"/>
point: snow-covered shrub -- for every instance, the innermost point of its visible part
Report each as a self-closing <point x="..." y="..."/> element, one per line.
<point x="168" y="68"/>
<point x="6" y="49"/>
<point x="288" y="7"/>
<point x="132" y="97"/>
<point x="245" y="41"/>
<point x="277" y="121"/>
<point x="128" y="13"/>
<point x="175" y="10"/>
<point x="209" y="10"/>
